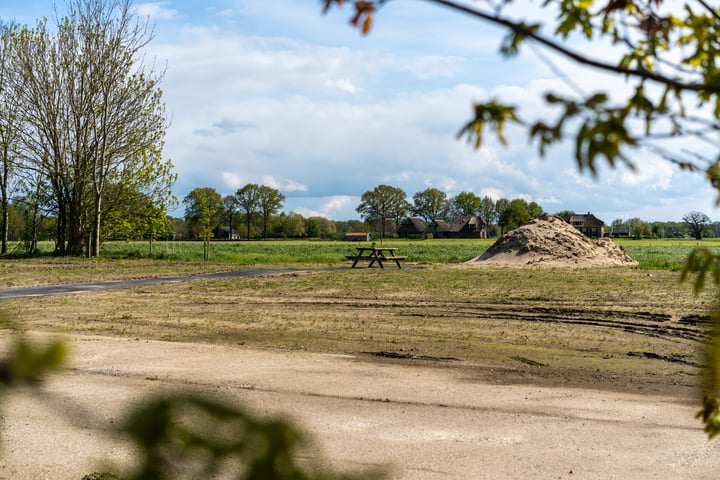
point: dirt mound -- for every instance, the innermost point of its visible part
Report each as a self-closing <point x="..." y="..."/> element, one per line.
<point x="550" y="240"/>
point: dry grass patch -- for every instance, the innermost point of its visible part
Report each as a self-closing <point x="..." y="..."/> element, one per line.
<point x="541" y="319"/>
<point x="55" y="271"/>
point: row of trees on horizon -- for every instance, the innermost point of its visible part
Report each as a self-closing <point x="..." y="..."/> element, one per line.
<point x="255" y="211"/>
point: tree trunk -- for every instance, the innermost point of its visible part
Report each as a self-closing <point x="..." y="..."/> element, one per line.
<point x="95" y="250"/>
<point x="5" y="221"/>
<point x="5" y="202"/>
<point x="60" y="229"/>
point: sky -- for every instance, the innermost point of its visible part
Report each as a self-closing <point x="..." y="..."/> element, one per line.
<point x="274" y="92"/>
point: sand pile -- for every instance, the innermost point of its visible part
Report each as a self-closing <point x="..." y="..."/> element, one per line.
<point x="550" y="240"/>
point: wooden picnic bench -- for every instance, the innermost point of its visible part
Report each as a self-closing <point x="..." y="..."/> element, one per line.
<point x="374" y="255"/>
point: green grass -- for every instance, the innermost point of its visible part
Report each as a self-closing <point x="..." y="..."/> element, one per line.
<point x="664" y="254"/>
<point x="289" y="252"/>
<point x="651" y="254"/>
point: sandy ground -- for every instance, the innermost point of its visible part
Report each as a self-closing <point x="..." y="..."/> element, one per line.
<point x="422" y="422"/>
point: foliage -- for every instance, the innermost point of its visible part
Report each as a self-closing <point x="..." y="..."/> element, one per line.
<point x="248" y="199"/>
<point x="189" y="436"/>
<point x="516" y="214"/>
<point x="203" y="212"/>
<point x="465" y="204"/>
<point x="182" y="435"/>
<point x="430" y="204"/>
<point x="382" y="205"/>
<point x="270" y="200"/>
<point x="90" y="114"/>
<point x="28" y="363"/>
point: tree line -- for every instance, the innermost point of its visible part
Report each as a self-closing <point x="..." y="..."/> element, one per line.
<point x="82" y="125"/>
<point x="255" y="211"/>
<point x="252" y="212"/>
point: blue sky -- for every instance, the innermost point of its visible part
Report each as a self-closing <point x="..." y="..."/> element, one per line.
<point x="273" y="92"/>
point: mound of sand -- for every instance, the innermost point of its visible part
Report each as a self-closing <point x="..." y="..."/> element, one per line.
<point x="550" y="240"/>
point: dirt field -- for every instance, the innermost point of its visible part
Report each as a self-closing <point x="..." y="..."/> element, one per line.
<point x="421" y="421"/>
<point x="432" y="373"/>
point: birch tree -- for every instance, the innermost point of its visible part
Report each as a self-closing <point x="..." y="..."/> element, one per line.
<point x="9" y="131"/>
<point x="92" y="110"/>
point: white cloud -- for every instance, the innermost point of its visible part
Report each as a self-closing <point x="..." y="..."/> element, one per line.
<point x="231" y="181"/>
<point x="156" y="10"/>
<point x="284" y="185"/>
<point x="343" y="85"/>
<point x="330" y="122"/>
<point x="653" y="174"/>
<point x="340" y="207"/>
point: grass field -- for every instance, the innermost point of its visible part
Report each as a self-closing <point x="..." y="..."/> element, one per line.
<point x="623" y="326"/>
<point x="652" y="254"/>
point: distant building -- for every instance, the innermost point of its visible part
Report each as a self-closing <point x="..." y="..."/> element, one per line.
<point x="411" y="227"/>
<point x="357" y="236"/>
<point x="588" y="224"/>
<point x="616" y="232"/>
<point x="438" y="228"/>
<point x="462" y="227"/>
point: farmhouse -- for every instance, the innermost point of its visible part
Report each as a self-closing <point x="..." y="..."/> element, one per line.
<point x="470" y="226"/>
<point x="588" y="224"/>
<point x="411" y="227"/>
<point x="438" y="228"/>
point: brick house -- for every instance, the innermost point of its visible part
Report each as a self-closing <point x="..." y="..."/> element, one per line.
<point x="470" y="226"/>
<point x="588" y="224"/>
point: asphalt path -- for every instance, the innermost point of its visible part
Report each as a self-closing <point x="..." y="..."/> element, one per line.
<point x="74" y="288"/>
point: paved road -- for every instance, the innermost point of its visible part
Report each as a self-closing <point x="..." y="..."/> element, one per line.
<point x="72" y="288"/>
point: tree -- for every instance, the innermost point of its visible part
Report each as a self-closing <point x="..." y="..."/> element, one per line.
<point x="203" y="212"/>
<point x="293" y="225"/>
<point x="270" y="200"/>
<point x="697" y="222"/>
<point x="535" y="210"/>
<point x="500" y="205"/>
<point x="10" y="128"/>
<point x="326" y="228"/>
<point x="248" y="199"/>
<point x="487" y="210"/>
<point x="564" y="214"/>
<point x="230" y="208"/>
<point x="430" y="204"/>
<point x="382" y="205"/>
<point x="667" y="53"/>
<point x="90" y="109"/>
<point x="514" y="215"/>
<point x="464" y="204"/>
<point x="638" y="227"/>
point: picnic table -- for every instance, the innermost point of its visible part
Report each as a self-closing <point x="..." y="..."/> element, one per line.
<point x="374" y="255"/>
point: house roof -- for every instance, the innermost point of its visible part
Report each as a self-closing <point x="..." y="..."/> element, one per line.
<point x="471" y="221"/>
<point x="586" y="219"/>
<point x="413" y="222"/>
<point x="441" y="225"/>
